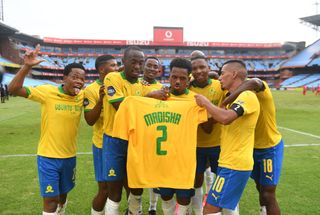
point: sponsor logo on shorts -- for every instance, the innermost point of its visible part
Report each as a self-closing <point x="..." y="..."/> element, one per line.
<point x="112" y="172"/>
<point x="269" y="177"/>
<point x="49" y="189"/>
<point x="215" y="197"/>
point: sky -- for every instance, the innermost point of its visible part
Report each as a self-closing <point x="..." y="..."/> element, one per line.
<point x="252" y="21"/>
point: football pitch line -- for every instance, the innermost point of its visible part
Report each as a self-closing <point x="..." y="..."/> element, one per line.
<point x="300" y="132"/>
<point x="90" y="153"/>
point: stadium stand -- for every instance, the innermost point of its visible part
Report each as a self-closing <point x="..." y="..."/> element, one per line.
<point x="268" y="61"/>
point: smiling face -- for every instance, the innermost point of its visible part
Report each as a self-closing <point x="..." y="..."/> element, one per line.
<point x="74" y="81"/>
<point x="179" y="80"/>
<point x="151" y="69"/>
<point x="200" y="71"/>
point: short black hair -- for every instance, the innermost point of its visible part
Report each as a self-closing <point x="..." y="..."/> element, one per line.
<point x="69" y="67"/>
<point x="181" y="63"/>
<point x="129" y="49"/>
<point x="199" y="57"/>
<point x="103" y="59"/>
<point x="151" y="57"/>
<point x="234" y="61"/>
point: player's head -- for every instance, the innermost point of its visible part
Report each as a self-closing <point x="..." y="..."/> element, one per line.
<point x="197" y="53"/>
<point x="73" y="78"/>
<point x="151" y="68"/>
<point x="105" y="64"/>
<point x="200" y="70"/>
<point x="180" y="70"/>
<point x="232" y="72"/>
<point x="133" y="59"/>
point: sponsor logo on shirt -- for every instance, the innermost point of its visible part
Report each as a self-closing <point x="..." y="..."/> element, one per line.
<point x="111" y="91"/>
<point x="85" y="102"/>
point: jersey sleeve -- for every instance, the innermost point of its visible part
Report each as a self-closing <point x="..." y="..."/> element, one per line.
<point x="124" y="120"/>
<point x="202" y="115"/>
<point x="37" y="94"/>
<point x="265" y="94"/>
<point x="248" y="101"/>
<point x="113" y="88"/>
<point x="89" y="99"/>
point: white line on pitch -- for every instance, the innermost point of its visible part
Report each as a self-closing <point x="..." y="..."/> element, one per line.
<point x="299" y="132"/>
<point x="302" y="145"/>
<point x="90" y="153"/>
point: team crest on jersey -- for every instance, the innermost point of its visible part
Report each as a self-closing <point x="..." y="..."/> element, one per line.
<point x="112" y="172"/>
<point x="138" y="93"/>
<point x="85" y="102"/>
<point x="161" y="104"/>
<point x="49" y="189"/>
<point x="212" y="92"/>
<point x="111" y="91"/>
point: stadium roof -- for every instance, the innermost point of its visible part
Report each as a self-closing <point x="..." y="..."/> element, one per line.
<point x="6" y="30"/>
<point x="314" y="20"/>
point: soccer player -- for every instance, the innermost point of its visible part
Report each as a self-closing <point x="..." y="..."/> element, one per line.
<point x="117" y="87"/>
<point x="151" y="70"/>
<point x="61" y="109"/>
<point x="237" y="139"/>
<point x="268" y="146"/>
<point x="93" y="101"/>
<point x="179" y="81"/>
<point x="208" y="141"/>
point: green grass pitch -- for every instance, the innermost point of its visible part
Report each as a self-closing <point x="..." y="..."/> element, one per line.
<point x="297" y="193"/>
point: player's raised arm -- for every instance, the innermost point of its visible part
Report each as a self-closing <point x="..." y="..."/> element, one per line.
<point x="251" y="84"/>
<point x="30" y="59"/>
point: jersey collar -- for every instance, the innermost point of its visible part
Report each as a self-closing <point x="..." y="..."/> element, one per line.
<point x="186" y="92"/>
<point x="194" y="84"/>
<point x="99" y="82"/>
<point x="61" y="90"/>
<point x="124" y="77"/>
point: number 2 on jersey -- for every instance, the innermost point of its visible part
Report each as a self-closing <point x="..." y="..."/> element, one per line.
<point x="161" y="139"/>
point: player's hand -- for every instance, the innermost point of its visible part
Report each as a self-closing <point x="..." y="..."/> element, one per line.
<point x="102" y="93"/>
<point x="31" y="57"/>
<point x="201" y="100"/>
<point x="162" y="94"/>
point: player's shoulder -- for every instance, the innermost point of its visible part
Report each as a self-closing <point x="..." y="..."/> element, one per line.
<point x="248" y="94"/>
<point x="114" y="75"/>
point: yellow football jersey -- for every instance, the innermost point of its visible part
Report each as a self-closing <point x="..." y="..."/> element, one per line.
<point x="162" y="140"/>
<point x="91" y="96"/>
<point x="237" y="138"/>
<point x="216" y="95"/>
<point x="60" y="118"/>
<point x="117" y="87"/>
<point x="267" y="134"/>
<point x="155" y="85"/>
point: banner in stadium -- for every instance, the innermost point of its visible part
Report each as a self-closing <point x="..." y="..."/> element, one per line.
<point x="168" y="34"/>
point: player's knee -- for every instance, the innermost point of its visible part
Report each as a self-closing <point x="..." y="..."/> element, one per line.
<point x="268" y="194"/>
<point x="183" y="201"/>
<point x="166" y="198"/>
<point x="50" y="204"/>
<point x="198" y="180"/>
<point x="136" y="192"/>
<point x="208" y="209"/>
